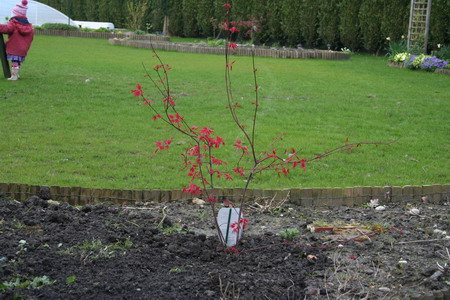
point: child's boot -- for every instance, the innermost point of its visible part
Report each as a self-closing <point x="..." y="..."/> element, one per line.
<point x="14" y="73"/>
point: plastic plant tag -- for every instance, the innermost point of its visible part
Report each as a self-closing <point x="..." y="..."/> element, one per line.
<point x="225" y="218"/>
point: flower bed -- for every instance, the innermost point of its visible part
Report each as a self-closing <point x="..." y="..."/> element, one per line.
<point x="419" y="62"/>
<point x="51" y="250"/>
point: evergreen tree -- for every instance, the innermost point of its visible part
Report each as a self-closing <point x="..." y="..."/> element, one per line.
<point x="241" y="9"/>
<point x="260" y="12"/>
<point x="349" y="29"/>
<point x="189" y="18"/>
<point x="176" y="18"/>
<point x="204" y="15"/>
<point x="290" y="24"/>
<point x="158" y="9"/>
<point x="371" y="18"/>
<point x="218" y="18"/>
<point x="439" y="23"/>
<point x="79" y="10"/>
<point x="329" y="22"/>
<point x="309" y="21"/>
<point x="105" y="9"/>
<point x="395" y="19"/>
<point x="273" y="26"/>
<point x="91" y="9"/>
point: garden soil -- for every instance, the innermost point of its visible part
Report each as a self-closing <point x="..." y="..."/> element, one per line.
<point x="51" y="250"/>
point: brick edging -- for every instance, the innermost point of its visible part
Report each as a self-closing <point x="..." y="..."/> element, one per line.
<point x="318" y="197"/>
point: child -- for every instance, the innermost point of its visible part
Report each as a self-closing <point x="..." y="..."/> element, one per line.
<point x="20" y="35"/>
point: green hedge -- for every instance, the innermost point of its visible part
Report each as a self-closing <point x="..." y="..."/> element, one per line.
<point x="58" y="26"/>
<point x="355" y="24"/>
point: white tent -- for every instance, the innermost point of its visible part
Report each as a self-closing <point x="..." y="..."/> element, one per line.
<point x="39" y="13"/>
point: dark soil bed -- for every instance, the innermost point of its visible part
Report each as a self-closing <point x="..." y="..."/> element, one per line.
<point x="169" y="251"/>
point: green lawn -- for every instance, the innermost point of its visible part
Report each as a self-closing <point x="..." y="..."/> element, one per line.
<point x="72" y="121"/>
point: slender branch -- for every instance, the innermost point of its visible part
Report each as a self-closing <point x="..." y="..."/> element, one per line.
<point x="256" y="106"/>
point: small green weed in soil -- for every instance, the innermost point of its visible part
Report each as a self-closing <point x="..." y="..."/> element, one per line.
<point x="23" y="283"/>
<point x="96" y="249"/>
<point x="289" y="234"/>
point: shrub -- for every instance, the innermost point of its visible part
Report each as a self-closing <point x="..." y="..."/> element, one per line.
<point x="395" y="19"/>
<point x="443" y="52"/>
<point x="215" y="43"/>
<point x="58" y="26"/>
<point x="329" y="23"/>
<point x="136" y="12"/>
<point x="397" y="47"/>
<point x="440" y="23"/>
<point x="176" y="18"/>
<point x="350" y="34"/>
<point x="309" y="21"/>
<point x="290" y="25"/>
<point x="200" y="157"/>
<point x="273" y="27"/>
<point x="190" y="10"/>
<point x="371" y="16"/>
<point x="204" y="14"/>
<point x="102" y="29"/>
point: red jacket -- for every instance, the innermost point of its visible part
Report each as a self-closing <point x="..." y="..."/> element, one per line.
<point x="20" y="34"/>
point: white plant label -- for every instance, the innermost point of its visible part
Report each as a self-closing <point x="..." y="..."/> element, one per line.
<point x="225" y="218"/>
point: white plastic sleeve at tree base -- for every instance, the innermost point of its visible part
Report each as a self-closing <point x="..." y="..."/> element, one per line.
<point x="225" y="218"/>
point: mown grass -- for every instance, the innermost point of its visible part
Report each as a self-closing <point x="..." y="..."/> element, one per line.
<point x="72" y="121"/>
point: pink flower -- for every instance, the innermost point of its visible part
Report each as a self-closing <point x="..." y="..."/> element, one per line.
<point x="217" y="142"/>
<point x="147" y="101"/>
<point x="206" y="131"/>
<point x="232" y="45"/>
<point x="217" y="161"/>
<point x="156" y="117"/>
<point x="233" y="250"/>
<point x="227" y="5"/>
<point x="192" y="189"/>
<point x="238" y="145"/>
<point x="242" y="224"/>
<point x="233" y="29"/>
<point x="285" y="171"/>
<point x="161" y="145"/>
<point x="138" y="91"/>
<point x="228" y="176"/>
<point x="240" y="172"/>
<point x="303" y="163"/>
<point x="176" y="119"/>
<point x="170" y="99"/>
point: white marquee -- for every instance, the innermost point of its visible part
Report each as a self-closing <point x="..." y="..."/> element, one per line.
<point x="39" y="13"/>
